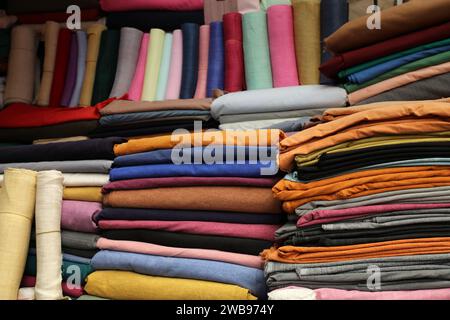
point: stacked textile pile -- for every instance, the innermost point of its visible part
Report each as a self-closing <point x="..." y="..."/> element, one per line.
<point x="170" y="219"/>
<point x="408" y="58"/>
<point x="84" y="166"/>
<point x="368" y="204"/>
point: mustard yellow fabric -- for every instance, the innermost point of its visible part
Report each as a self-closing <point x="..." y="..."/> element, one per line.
<point x="91" y="194"/>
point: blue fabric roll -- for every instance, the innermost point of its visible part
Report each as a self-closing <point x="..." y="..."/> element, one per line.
<point x="216" y="59"/>
<point x="249" y="278"/>
<point x="373" y="72"/>
<point x="190" y="60"/>
<point x="165" y="155"/>
<point x="190" y="170"/>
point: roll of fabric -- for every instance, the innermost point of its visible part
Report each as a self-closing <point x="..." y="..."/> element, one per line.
<point x="80" y="166"/>
<point x="25" y="6"/>
<point x="176" y="66"/>
<point x="127" y="5"/>
<point x="71" y="75"/>
<point x="216" y="60"/>
<point x="164" y="69"/>
<point x="51" y="33"/>
<point x="258" y="73"/>
<point x="200" y="91"/>
<point x="307" y="39"/>
<point x="333" y="14"/>
<point x="358" y="8"/>
<point x="190" y="60"/>
<point x="234" y="52"/>
<point x="78" y="215"/>
<point x="106" y="66"/>
<point x="49" y="193"/>
<point x="266" y="4"/>
<point x="81" y="67"/>
<point x="153" y="64"/>
<point x="130" y="41"/>
<point x="17" y="201"/>
<point x="22" y="59"/>
<point x="85" y="179"/>
<point x="135" y="90"/>
<point x="282" y="47"/>
<point x="94" y="33"/>
<point x="89" y="194"/>
<point x="61" y="65"/>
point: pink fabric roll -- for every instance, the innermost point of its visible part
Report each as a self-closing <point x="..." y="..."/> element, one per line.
<point x="77" y="215"/>
<point x="282" y="48"/>
<point x="200" y="91"/>
<point x="327" y="216"/>
<point x="148" y="248"/>
<point x="398" y="81"/>
<point x="336" y="294"/>
<point x="252" y="231"/>
<point x="176" y="65"/>
<point x="129" y="5"/>
<point x="138" y="80"/>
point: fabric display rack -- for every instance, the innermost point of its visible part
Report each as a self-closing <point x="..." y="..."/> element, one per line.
<point x="343" y="128"/>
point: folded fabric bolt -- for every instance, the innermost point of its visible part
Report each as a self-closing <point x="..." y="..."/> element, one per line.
<point x="216" y="59"/>
<point x="273" y="115"/>
<point x="79" y="166"/>
<point x="164" y="68"/>
<point x="135" y="90"/>
<point x="79" y="240"/>
<point x="56" y="140"/>
<point x="176" y="66"/>
<point x="81" y="65"/>
<point x="286" y="125"/>
<point x="71" y="75"/>
<point x="181" y="5"/>
<point x="203" y="55"/>
<point x="85" y="179"/>
<point x="191" y="34"/>
<point x="250" y="278"/>
<point x="135" y="286"/>
<point x="234" y="52"/>
<point x="153" y="64"/>
<point x="89" y="194"/>
<point x="84" y="253"/>
<point x="202" y="254"/>
<point x="62" y="61"/>
<point x="78" y="215"/>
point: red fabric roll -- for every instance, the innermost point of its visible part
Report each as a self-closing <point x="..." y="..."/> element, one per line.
<point x="358" y="56"/>
<point x="30" y="281"/>
<point x="38" y="18"/>
<point x="234" y="52"/>
<point x="61" y="64"/>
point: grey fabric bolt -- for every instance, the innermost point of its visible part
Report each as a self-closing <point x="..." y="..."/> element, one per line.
<point x="232" y="118"/>
<point x="81" y="66"/>
<point x="81" y="166"/>
<point x="79" y="240"/>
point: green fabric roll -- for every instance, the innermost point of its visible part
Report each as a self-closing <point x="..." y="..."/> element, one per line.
<point x="164" y="69"/>
<point x="5" y="42"/>
<point x="258" y="72"/>
<point x="416" y="65"/>
<point x="153" y="65"/>
<point x="367" y="65"/>
<point x="106" y="65"/>
<point x="265" y="4"/>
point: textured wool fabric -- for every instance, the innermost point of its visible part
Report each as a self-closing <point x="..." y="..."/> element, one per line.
<point x="189" y="76"/>
<point x="153" y="64"/>
<point x="282" y="47"/>
<point x="181" y="5"/>
<point x="80" y="166"/>
<point x="216" y="59"/>
<point x="176" y="66"/>
<point x="25" y="6"/>
<point x="90" y="194"/>
<point x="125" y="285"/>
<point x="71" y="75"/>
<point x="49" y="193"/>
<point x="81" y="67"/>
<point x="137" y="82"/>
<point x="307" y="39"/>
<point x="127" y="60"/>
<point x="398" y="20"/>
<point x="61" y="66"/>
<point x="85" y="179"/>
<point x="200" y="91"/>
<point x="78" y="215"/>
<point x="17" y="201"/>
<point x="106" y="65"/>
<point x="94" y="34"/>
<point x="164" y="68"/>
<point x="22" y="59"/>
<point x="258" y="72"/>
<point x="234" y="52"/>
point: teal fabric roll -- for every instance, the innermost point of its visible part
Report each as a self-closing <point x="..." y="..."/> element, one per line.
<point x="164" y="68"/>
<point x="258" y="72"/>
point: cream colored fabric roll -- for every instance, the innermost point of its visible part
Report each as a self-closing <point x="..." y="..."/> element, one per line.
<point x="26" y="294"/>
<point x="85" y="179"/>
<point x="94" y="34"/>
<point x="49" y="194"/>
<point x="51" y="32"/>
<point x="154" y="56"/>
<point x="17" y="199"/>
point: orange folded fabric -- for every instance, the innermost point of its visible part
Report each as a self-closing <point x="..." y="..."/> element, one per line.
<point x="291" y="254"/>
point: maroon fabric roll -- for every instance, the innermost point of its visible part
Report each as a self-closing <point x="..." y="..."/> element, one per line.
<point x="234" y="52"/>
<point x="61" y="64"/>
<point x="38" y="18"/>
<point x="358" y="56"/>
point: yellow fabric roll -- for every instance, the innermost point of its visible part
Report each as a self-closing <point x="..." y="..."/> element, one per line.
<point x="51" y="33"/>
<point x="17" y="199"/>
<point x="49" y="194"/>
<point x="94" y="33"/>
<point x="124" y="285"/>
<point x="307" y="39"/>
<point x="91" y="194"/>
<point x="154" y="56"/>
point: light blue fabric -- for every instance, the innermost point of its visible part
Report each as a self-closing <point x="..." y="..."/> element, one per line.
<point x="371" y="73"/>
<point x="81" y="65"/>
<point x="246" y="277"/>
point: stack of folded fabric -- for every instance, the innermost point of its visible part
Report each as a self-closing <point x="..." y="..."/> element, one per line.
<point x="190" y="211"/>
<point x="368" y="204"/>
<point x="407" y="60"/>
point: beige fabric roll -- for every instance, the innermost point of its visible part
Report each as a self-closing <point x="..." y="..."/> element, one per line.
<point x="49" y="194"/>
<point x="22" y="61"/>
<point x="26" y="294"/>
<point x="17" y="200"/>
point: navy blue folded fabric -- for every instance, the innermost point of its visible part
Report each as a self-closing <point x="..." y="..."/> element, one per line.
<point x="187" y="215"/>
<point x="208" y="270"/>
<point x="219" y="153"/>
<point x="247" y="170"/>
<point x="216" y="59"/>
<point x="190" y="60"/>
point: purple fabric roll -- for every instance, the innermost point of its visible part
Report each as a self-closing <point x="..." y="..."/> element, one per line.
<point x="71" y="75"/>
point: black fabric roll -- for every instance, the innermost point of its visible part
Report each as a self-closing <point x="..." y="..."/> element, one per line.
<point x="33" y="6"/>
<point x="190" y="60"/>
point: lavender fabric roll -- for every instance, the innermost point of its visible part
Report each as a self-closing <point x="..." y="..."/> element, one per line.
<point x="71" y="75"/>
<point x="81" y="65"/>
<point x="190" y="60"/>
<point x="216" y="60"/>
